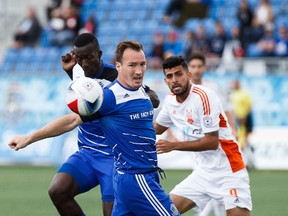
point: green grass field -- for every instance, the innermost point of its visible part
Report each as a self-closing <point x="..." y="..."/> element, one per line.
<point x="23" y="191"/>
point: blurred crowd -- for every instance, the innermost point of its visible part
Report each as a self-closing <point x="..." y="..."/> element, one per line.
<point x="255" y="34"/>
<point x="63" y="24"/>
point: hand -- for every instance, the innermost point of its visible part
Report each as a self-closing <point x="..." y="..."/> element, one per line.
<point x="164" y="146"/>
<point x="18" y="142"/>
<point x="68" y="61"/>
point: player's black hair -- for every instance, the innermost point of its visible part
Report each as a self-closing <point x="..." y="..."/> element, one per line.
<point x="174" y="61"/>
<point x="85" y="39"/>
<point x="198" y="56"/>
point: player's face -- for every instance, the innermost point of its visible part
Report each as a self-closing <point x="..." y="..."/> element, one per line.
<point x="132" y="68"/>
<point x="196" y="68"/>
<point x="178" y="80"/>
<point x="89" y="59"/>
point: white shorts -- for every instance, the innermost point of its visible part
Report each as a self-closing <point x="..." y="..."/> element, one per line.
<point x="232" y="190"/>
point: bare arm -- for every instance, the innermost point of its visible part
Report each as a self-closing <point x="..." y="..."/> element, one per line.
<point x="52" y="129"/>
<point x="159" y="128"/>
<point x="208" y="142"/>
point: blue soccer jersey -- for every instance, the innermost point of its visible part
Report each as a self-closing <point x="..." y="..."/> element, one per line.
<point x="127" y="120"/>
<point x="93" y="163"/>
<point x="126" y="117"/>
<point x="90" y="134"/>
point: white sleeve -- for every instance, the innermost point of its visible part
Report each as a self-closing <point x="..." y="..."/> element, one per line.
<point x="163" y="117"/>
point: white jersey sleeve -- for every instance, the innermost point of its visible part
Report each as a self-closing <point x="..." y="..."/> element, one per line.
<point x="209" y="107"/>
<point x="163" y="117"/>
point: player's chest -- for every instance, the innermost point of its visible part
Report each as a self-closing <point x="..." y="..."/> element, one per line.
<point x="185" y="115"/>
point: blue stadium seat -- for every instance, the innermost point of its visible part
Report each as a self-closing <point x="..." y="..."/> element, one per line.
<point x="192" y="24"/>
<point x="11" y="55"/>
<point x="209" y="25"/>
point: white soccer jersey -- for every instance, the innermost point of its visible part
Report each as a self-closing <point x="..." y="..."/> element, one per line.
<point x="202" y="112"/>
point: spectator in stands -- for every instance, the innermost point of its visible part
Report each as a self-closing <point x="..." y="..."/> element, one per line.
<point x="263" y="14"/>
<point x="64" y="26"/>
<point x="51" y="6"/>
<point x="281" y="44"/>
<point x="202" y="44"/>
<point x="175" y="7"/>
<point x="156" y="57"/>
<point x="172" y="44"/>
<point x="265" y="46"/>
<point x="90" y="26"/>
<point x="29" y="30"/>
<point x="173" y="11"/>
<point x="245" y="17"/>
<point x="218" y="40"/>
<point x="189" y="44"/>
<point x="232" y="50"/>
<point x="56" y="4"/>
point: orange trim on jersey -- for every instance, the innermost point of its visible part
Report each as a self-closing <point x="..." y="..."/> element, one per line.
<point x="223" y="122"/>
<point x="204" y="99"/>
<point x="231" y="150"/>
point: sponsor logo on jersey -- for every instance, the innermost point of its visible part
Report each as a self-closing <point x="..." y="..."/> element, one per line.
<point x="197" y="131"/>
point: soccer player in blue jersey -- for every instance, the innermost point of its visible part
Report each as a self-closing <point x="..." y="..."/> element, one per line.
<point x="92" y="165"/>
<point x="126" y="117"/>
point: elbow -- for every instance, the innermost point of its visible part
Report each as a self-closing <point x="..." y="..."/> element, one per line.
<point x="155" y="103"/>
<point x="157" y="131"/>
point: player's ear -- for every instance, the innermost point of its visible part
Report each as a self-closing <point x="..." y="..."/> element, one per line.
<point x="189" y="75"/>
<point x="118" y="66"/>
<point x="100" y="54"/>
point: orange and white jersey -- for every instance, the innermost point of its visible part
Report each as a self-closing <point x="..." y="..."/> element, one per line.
<point x="202" y="112"/>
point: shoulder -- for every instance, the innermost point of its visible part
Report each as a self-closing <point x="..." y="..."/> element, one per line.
<point x="201" y="90"/>
<point x="170" y="98"/>
<point x="109" y="71"/>
<point x="203" y="94"/>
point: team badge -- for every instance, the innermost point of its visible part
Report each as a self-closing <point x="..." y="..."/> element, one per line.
<point x="207" y="120"/>
<point x="189" y="118"/>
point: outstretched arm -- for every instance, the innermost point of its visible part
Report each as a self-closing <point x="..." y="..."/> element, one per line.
<point x="52" y="129"/>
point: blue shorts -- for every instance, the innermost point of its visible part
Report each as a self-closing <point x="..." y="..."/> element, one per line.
<point x="89" y="170"/>
<point x="141" y="194"/>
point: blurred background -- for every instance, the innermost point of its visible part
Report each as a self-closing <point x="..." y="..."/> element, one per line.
<point x="243" y="40"/>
